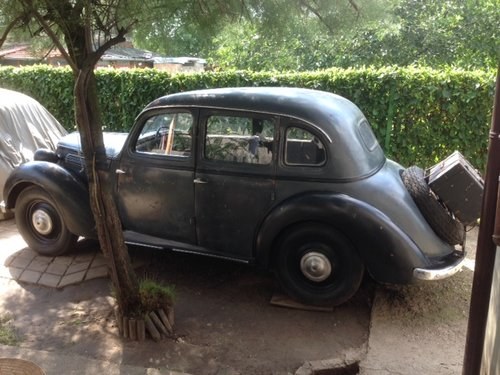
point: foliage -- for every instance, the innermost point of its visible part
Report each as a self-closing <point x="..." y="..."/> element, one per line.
<point x="419" y="115"/>
<point x="319" y="34"/>
<point x="426" y="32"/>
<point x="8" y="335"/>
<point x="315" y="34"/>
<point x="155" y="295"/>
<point x="302" y="38"/>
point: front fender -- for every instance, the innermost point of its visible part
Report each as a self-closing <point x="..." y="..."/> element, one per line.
<point x="69" y="193"/>
<point x="389" y="254"/>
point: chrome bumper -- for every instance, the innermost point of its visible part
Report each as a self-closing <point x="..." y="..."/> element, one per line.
<point x="440" y="273"/>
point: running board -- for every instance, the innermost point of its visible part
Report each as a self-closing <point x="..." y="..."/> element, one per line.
<point x="135" y="238"/>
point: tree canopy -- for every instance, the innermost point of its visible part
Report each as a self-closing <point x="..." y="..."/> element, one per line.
<point x="309" y="35"/>
<point x="316" y="34"/>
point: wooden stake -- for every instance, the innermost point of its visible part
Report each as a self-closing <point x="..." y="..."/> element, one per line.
<point x="132" y="329"/>
<point x="150" y="327"/>
<point x="164" y="320"/>
<point x="125" y="327"/>
<point x="141" y="330"/>
<point x="158" y="322"/>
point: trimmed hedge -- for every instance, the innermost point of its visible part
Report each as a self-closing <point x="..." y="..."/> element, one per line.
<point x="419" y="115"/>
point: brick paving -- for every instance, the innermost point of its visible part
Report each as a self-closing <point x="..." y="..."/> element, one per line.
<point x="20" y="263"/>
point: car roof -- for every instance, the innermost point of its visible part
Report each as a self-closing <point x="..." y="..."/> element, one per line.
<point x="335" y="116"/>
<point x="308" y="105"/>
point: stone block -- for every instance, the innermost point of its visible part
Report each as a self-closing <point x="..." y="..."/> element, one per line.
<point x="97" y="272"/>
<point x="49" y="280"/>
<point x="31" y="277"/>
<point x="73" y="278"/>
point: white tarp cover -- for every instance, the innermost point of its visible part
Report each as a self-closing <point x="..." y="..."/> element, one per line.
<point x="25" y="126"/>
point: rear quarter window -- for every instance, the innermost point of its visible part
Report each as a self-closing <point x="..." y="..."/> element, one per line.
<point x="303" y="148"/>
<point x="366" y="134"/>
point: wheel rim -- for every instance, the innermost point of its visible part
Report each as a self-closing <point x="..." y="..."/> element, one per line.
<point x="315" y="266"/>
<point x="42" y="222"/>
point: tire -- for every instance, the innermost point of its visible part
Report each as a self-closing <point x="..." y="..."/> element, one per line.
<point x="41" y="224"/>
<point x="317" y="265"/>
<point x="437" y="215"/>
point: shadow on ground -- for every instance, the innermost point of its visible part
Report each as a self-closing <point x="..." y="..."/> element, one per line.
<point x="224" y="322"/>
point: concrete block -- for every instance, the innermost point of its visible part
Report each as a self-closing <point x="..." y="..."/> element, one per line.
<point x="49" y="280"/>
<point x="31" y="277"/>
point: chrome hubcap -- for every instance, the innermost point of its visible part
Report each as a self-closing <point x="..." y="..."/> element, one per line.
<point x="315" y="266"/>
<point x="42" y="222"/>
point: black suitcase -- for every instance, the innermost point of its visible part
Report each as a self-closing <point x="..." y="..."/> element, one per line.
<point x="459" y="186"/>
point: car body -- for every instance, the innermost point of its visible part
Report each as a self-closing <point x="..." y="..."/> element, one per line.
<point x="25" y="126"/>
<point x="290" y="179"/>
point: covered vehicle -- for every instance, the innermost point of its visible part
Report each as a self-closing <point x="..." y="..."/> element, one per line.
<point x="25" y="126"/>
<point x="289" y="179"/>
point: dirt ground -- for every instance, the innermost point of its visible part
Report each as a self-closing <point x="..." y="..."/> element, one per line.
<point x="226" y="325"/>
<point x="421" y="328"/>
<point x="224" y="322"/>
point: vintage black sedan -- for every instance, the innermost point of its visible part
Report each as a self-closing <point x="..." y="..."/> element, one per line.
<point x="290" y="179"/>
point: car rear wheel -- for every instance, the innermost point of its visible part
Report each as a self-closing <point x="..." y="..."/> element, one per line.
<point x="437" y="215"/>
<point x="317" y="265"/>
<point x="41" y="224"/>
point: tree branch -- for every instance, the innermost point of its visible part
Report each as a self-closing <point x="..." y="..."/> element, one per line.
<point x="97" y="54"/>
<point x="9" y="27"/>
<point x="40" y="19"/>
<point x="317" y="13"/>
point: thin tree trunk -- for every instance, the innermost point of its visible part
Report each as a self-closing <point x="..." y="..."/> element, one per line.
<point x="108" y="225"/>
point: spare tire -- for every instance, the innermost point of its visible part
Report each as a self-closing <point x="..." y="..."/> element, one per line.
<point x="437" y="215"/>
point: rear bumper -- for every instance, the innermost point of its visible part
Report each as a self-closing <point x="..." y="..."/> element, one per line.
<point x="451" y="266"/>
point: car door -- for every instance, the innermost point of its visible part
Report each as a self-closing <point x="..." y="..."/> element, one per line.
<point x="234" y="182"/>
<point x="155" y="193"/>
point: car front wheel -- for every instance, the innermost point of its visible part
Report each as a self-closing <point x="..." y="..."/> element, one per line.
<point x="317" y="265"/>
<point x="41" y="224"/>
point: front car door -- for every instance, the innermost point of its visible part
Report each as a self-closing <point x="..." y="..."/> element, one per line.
<point x="155" y="176"/>
<point x="234" y="182"/>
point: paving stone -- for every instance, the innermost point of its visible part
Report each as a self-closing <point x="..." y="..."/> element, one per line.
<point x="44" y="259"/>
<point x="77" y="267"/>
<point x="37" y="265"/>
<point x="31" y="277"/>
<point x="84" y="258"/>
<point x="20" y="262"/>
<point x="58" y="269"/>
<point x="27" y="253"/>
<point x="74" y="278"/>
<point x="97" y="272"/>
<point x="9" y="260"/>
<point x="49" y="280"/>
<point x="15" y="272"/>
<point x="99" y="260"/>
<point x="65" y="261"/>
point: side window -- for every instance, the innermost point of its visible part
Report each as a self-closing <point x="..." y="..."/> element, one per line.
<point x="303" y="148"/>
<point x="166" y="134"/>
<point x="367" y="135"/>
<point x="239" y="139"/>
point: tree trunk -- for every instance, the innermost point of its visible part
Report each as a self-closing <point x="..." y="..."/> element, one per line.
<point x="108" y="224"/>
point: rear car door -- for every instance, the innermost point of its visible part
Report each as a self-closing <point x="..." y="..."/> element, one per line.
<point x="234" y="182"/>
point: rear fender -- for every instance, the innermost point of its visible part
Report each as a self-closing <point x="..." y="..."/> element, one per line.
<point x="69" y="193"/>
<point x="388" y="253"/>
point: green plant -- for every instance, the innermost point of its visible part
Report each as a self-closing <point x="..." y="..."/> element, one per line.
<point x="155" y="295"/>
<point x="8" y="335"/>
<point x="419" y="115"/>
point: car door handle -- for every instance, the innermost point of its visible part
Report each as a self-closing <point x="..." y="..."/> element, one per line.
<point x="120" y="171"/>
<point x="200" y="181"/>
